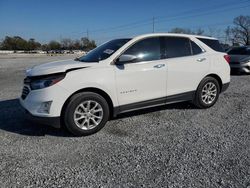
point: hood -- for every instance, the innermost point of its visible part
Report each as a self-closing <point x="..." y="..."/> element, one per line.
<point x="57" y="67"/>
<point x="239" y="58"/>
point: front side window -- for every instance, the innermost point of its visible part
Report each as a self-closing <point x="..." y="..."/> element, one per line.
<point x="104" y="51"/>
<point x="177" y="47"/>
<point x="145" y="50"/>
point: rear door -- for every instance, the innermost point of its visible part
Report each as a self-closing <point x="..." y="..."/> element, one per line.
<point x="186" y="65"/>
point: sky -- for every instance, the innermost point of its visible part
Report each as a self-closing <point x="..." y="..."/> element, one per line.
<point x="103" y="20"/>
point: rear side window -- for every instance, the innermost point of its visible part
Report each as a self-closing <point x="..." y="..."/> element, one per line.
<point x="146" y="50"/>
<point x="176" y="47"/>
<point x="239" y="51"/>
<point x="214" y="44"/>
<point x="195" y="48"/>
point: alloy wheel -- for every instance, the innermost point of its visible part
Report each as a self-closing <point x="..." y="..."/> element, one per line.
<point x="209" y="93"/>
<point x="88" y="115"/>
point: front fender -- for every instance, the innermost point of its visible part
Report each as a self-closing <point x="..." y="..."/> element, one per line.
<point x="102" y="79"/>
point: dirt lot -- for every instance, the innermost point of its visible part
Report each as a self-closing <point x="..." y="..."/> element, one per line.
<point x="172" y="146"/>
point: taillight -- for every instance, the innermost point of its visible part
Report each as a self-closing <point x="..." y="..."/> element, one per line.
<point x="227" y="58"/>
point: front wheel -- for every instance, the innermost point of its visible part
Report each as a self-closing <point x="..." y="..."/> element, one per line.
<point x="207" y="93"/>
<point x="86" y="113"/>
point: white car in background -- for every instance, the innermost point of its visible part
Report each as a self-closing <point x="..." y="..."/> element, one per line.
<point x="124" y="75"/>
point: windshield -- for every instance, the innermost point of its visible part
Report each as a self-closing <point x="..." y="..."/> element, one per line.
<point x="104" y="51"/>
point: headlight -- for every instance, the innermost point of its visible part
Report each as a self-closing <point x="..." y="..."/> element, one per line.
<point x="40" y="83"/>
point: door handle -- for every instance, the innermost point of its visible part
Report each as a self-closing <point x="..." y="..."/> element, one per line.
<point x="159" y="66"/>
<point x="201" y="59"/>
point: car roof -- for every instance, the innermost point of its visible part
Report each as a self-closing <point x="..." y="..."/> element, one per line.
<point x="174" y="35"/>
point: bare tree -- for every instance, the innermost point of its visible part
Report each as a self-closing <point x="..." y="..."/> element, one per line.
<point x="231" y="36"/>
<point x="87" y="44"/>
<point x="187" y="31"/>
<point x="240" y="32"/>
<point x="211" y="31"/>
<point x="199" y="31"/>
<point x="54" y="45"/>
<point x="18" y="43"/>
<point x="67" y="43"/>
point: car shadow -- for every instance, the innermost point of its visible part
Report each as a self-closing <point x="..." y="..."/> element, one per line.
<point x="235" y="73"/>
<point x="13" y="119"/>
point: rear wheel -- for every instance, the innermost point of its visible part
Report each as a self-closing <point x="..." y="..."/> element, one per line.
<point x="207" y="93"/>
<point x="86" y="113"/>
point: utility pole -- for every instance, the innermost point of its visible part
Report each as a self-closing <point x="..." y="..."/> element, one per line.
<point x="87" y="34"/>
<point x="153" y="24"/>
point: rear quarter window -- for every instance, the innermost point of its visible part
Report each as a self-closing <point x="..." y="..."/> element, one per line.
<point x="195" y="48"/>
<point x="214" y="44"/>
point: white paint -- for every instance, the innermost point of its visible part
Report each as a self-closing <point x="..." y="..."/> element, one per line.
<point x="133" y="83"/>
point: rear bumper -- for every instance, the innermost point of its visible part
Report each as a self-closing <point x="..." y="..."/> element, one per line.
<point x="51" y="121"/>
<point x="225" y="87"/>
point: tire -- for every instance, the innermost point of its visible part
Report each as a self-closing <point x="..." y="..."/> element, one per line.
<point x="80" y="116"/>
<point x="200" y="100"/>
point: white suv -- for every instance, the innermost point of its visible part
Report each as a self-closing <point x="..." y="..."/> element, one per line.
<point x="124" y="75"/>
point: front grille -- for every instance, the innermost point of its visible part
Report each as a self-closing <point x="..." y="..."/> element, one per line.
<point x="25" y="92"/>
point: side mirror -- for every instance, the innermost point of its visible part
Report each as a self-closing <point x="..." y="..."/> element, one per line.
<point x="125" y="58"/>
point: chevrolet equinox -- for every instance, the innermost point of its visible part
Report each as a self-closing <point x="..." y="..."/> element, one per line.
<point x="124" y="75"/>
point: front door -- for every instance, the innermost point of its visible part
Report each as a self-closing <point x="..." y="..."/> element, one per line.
<point x="143" y="81"/>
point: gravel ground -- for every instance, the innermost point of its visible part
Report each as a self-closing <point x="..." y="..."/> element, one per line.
<point x="172" y="146"/>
